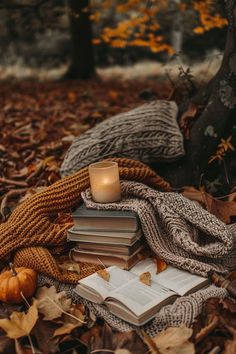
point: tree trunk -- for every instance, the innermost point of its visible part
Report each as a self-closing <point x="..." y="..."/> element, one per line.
<point x="219" y="114"/>
<point x="82" y="58"/>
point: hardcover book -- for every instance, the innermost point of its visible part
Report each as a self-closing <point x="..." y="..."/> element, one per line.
<point x="105" y="237"/>
<point x="108" y="259"/>
<point x="128" y="298"/>
<point x="105" y="220"/>
<point x="109" y="248"/>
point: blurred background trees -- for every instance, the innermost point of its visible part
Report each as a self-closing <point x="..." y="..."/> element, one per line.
<point x="55" y="32"/>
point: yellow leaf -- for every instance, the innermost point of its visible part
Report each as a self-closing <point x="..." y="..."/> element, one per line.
<point x="103" y="273"/>
<point x="198" y="30"/>
<point x="20" y="324"/>
<point x="145" y="278"/>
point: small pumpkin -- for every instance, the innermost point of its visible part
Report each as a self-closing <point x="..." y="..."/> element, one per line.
<point x="15" y="281"/>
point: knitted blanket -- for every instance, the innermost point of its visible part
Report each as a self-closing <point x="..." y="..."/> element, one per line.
<point x="30" y="236"/>
<point x="177" y="229"/>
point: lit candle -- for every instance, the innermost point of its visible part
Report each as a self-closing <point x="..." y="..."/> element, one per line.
<point x="104" y="181"/>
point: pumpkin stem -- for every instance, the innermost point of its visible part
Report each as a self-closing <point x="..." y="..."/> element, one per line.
<point x="13" y="270"/>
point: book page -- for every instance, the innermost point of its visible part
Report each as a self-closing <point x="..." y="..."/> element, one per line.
<point x="117" y="278"/>
<point x="175" y="279"/>
<point x="139" y="297"/>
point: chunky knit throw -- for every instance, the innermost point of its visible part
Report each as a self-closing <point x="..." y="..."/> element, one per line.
<point x="31" y="236"/>
<point x="177" y="229"/>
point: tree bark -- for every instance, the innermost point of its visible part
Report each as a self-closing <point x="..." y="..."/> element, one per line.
<point x="82" y="57"/>
<point x="219" y="113"/>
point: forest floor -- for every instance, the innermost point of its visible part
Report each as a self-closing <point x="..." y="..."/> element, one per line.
<point x="38" y="122"/>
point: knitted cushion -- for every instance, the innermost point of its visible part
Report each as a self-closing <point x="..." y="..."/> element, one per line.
<point x="149" y="133"/>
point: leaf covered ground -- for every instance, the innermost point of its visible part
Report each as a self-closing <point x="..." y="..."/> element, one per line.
<point x="38" y="123"/>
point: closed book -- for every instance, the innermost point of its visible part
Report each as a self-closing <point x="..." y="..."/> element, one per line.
<point x="122" y="261"/>
<point x="106" y="237"/>
<point x="105" y="220"/>
<point x="109" y="248"/>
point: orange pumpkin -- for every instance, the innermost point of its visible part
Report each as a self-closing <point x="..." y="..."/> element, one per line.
<point x="15" y="281"/>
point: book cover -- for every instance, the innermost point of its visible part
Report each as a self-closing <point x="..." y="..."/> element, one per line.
<point x="105" y="237"/>
<point x="109" y="248"/>
<point x="122" y="261"/>
<point x="105" y="220"/>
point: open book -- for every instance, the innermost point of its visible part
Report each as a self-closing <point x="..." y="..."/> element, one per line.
<point x="128" y="298"/>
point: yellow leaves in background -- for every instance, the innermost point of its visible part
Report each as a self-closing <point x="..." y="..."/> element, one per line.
<point x="224" y="147"/>
<point x="208" y="20"/>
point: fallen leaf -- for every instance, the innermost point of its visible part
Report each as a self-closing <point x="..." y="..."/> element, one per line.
<point x="175" y="340"/>
<point x="190" y="113"/>
<point x="122" y="351"/>
<point x="50" y="303"/>
<point x="223" y="210"/>
<point x="104" y="339"/>
<point x="20" y="324"/>
<point x="67" y="328"/>
<point x="43" y="334"/>
<point x="146" y="278"/>
<point x="104" y="274"/>
<point x="71" y="266"/>
<point x="161" y="265"/>
<point x="230" y="346"/>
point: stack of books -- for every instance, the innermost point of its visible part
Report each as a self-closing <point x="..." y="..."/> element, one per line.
<point x="109" y="237"/>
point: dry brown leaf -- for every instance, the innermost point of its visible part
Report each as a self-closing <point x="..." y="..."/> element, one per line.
<point x="104" y="274"/>
<point x="70" y="266"/>
<point x="189" y="114"/>
<point x="122" y="351"/>
<point x="232" y="197"/>
<point x="67" y="328"/>
<point x="20" y="324"/>
<point x="223" y="210"/>
<point x="230" y="346"/>
<point x="50" y="303"/>
<point x="175" y="340"/>
<point x="146" y="278"/>
<point x="161" y="265"/>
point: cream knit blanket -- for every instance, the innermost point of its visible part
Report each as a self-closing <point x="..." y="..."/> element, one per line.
<point x="177" y="229"/>
<point x="182" y="233"/>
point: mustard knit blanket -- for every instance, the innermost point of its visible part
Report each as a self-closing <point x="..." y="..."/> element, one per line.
<point x="31" y="237"/>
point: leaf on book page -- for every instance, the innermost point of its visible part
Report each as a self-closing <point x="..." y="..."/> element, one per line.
<point x="104" y="274"/>
<point x="146" y="278"/>
<point x="50" y="303"/>
<point x="175" y="340"/>
<point x="161" y="265"/>
<point x="20" y="324"/>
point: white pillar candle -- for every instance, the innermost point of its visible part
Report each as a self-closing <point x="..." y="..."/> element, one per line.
<point x="105" y="181"/>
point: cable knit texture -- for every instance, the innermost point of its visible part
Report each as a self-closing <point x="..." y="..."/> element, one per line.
<point x="31" y="236"/>
<point x="177" y="229"/>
